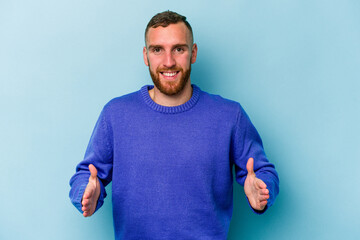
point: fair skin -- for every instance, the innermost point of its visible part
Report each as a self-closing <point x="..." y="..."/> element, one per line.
<point x="91" y="193"/>
<point x="171" y="48"/>
<point x="166" y="48"/>
<point x="255" y="189"/>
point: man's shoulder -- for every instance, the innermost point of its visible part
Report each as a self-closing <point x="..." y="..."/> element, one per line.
<point x="123" y="100"/>
<point x="219" y="102"/>
<point x="123" y="103"/>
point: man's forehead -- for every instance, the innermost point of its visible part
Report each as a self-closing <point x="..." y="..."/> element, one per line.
<point x="176" y="33"/>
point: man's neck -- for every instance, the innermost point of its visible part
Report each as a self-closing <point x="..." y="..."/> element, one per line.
<point x="173" y="100"/>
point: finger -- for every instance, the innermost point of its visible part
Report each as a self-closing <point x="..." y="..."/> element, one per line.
<point x="86" y="213"/>
<point x="263" y="197"/>
<point x="250" y="166"/>
<point x="263" y="204"/>
<point x="85" y="209"/>
<point x="93" y="171"/>
<point x="89" y="191"/>
<point x="85" y="203"/>
<point x="264" y="192"/>
<point x="260" y="184"/>
<point x="86" y="195"/>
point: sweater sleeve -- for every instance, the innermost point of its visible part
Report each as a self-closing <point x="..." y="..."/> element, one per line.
<point x="247" y="143"/>
<point x="98" y="153"/>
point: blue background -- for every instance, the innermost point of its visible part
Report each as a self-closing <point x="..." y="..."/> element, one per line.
<point x="293" y="65"/>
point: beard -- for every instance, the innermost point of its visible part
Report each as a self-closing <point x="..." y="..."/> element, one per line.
<point x="170" y="88"/>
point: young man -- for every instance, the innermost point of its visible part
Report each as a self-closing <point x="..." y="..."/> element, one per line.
<point x="169" y="150"/>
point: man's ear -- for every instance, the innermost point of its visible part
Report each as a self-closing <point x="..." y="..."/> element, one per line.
<point x="145" y="56"/>
<point x="194" y="53"/>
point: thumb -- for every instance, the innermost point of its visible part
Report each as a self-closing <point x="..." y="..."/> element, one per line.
<point x="250" y="166"/>
<point x="90" y="188"/>
<point x="93" y="171"/>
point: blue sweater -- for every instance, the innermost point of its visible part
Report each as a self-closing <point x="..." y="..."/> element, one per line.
<point x="171" y="167"/>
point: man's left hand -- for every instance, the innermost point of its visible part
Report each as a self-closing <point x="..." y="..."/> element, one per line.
<point x="255" y="189"/>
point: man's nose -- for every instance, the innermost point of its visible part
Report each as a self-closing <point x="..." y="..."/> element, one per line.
<point x="169" y="60"/>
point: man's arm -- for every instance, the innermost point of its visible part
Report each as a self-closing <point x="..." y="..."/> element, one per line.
<point x="87" y="191"/>
<point x="252" y="168"/>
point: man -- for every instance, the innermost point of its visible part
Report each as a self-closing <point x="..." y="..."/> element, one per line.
<point x="169" y="150"/>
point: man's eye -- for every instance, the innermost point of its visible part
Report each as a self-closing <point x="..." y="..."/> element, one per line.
<point x="179" y="50"/>
<point x="156" y="50"/>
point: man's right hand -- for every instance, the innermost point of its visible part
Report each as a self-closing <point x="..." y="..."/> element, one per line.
<point x="91" y="193"/>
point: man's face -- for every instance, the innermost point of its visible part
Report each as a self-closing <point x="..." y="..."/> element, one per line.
<point x="169" y="53"/>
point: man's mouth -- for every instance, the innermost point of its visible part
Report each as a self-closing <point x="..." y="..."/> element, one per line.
<point x="170" y="75"/>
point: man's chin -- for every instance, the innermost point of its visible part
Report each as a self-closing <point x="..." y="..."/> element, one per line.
<point x="171" y="88"/>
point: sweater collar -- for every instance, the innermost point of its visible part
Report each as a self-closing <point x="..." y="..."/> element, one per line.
<point x="171" y="110"/>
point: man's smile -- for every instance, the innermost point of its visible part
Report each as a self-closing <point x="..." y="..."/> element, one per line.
<point x="170" y="75"/>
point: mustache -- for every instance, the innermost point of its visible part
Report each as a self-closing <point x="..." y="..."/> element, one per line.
<point x="163" y="69"/>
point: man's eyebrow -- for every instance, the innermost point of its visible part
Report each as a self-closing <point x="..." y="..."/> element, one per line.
<point x="181" y="45"/>
<point x="175" y="46"/>
<point x="155" y="46"/>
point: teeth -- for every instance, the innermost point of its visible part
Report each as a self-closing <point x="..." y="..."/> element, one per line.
<point x="169" y="74"/>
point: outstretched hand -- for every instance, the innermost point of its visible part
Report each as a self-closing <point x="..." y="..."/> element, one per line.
<point x="91" y="193"/>
<point x="255" y="189"/>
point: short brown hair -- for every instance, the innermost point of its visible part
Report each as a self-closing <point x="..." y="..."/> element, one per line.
<point x="166" y="18"/>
